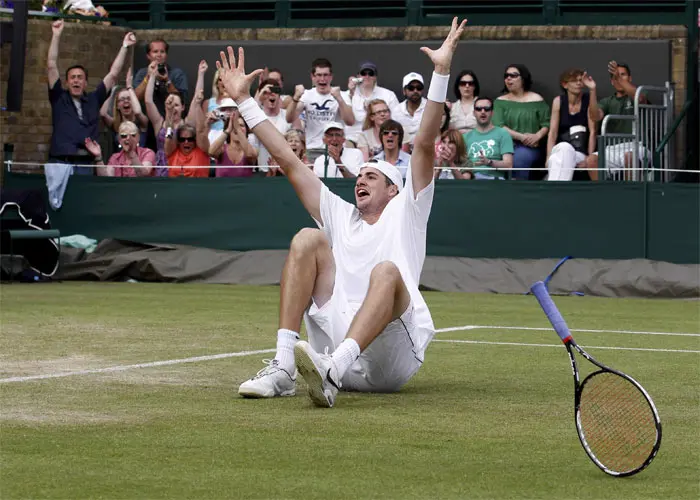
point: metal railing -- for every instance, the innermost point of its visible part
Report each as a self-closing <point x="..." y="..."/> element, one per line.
<point x="626" y="152"/>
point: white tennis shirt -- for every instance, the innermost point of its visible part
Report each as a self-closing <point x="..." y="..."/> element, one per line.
<point x="399" y="236"/>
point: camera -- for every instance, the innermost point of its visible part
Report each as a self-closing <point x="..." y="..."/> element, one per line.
<point x="276" y="89"/>
<point x="161" y="68"/>
<point x="357" y="80"/>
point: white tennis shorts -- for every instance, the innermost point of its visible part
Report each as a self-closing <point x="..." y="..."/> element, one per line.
<point x="388" y="362"/>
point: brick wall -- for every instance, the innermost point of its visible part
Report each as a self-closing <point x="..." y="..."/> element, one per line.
<point x="95" y="46"/>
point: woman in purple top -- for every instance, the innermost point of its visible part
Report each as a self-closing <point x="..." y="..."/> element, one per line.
<point x="232" y="149"/>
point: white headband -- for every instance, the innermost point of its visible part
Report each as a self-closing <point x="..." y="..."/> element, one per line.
<point x="387" y="169"/>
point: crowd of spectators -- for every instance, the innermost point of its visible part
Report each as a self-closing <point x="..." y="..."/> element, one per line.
<point x="160" y="128"/>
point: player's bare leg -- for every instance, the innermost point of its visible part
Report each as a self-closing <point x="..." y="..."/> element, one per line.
<point x="387" y="298"/>
<point x="309" y="273"/>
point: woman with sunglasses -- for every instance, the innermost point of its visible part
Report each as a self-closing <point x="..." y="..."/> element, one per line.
<point x="369" y="141"/>
<point x="125" y="107"/>
<point x="525" y="116"/>
<point x="296" y="140"/>
<point x="131" y="161"/>
<point x="466" y="89"/>
<point x="361" y="93"/>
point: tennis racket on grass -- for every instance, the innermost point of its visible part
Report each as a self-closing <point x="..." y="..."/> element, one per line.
<point x="616" y="420"/>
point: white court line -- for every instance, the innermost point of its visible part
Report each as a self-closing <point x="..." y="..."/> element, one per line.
<point x="120" y="368"/>
<point x="501" y="327"/>
<point x="561" y="345"/>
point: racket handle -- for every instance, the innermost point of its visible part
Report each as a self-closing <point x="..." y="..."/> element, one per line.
<point x="539" y="290"/>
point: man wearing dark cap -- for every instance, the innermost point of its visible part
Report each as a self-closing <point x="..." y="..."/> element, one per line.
<point x="362" y="93"/>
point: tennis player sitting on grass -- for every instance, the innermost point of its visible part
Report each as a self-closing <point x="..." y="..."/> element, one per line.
<point x="354" y="280"/>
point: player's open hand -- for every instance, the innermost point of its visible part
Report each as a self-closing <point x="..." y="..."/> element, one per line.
<point x="442" y="57"/>
<point x="233" y="76"/>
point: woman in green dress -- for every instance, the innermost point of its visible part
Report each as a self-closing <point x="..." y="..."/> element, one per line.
<point x="525" y="116"/>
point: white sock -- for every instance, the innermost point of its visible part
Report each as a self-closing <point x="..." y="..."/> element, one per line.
<point x="345" y="355"/>
<point x="285" y="349"/>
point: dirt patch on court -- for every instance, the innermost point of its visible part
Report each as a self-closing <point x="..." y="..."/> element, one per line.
<point x="33" y="415"/>
<point x="24" y="368"/>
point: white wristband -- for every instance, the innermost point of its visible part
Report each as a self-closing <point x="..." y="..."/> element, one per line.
<point x="251" y="112"/>
<point x="438" y="87"/>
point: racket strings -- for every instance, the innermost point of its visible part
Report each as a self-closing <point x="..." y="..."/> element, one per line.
<point x="617" y="422"/>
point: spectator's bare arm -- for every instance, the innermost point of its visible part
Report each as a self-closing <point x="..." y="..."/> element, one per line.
<point x="553" y="126"/>
<point x="118" y="64"/>
<point x="151" y="108"/>
<point x="52" y="59"/>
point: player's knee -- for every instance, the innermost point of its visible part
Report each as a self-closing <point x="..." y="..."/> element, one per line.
<point x="308" y="239"/>
<point x="385" y="272"/>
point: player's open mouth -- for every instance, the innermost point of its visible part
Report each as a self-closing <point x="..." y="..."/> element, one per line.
<point x="361" y="193"/>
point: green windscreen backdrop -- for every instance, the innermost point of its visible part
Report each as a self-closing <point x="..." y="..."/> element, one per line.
<point x="469" y="218"/>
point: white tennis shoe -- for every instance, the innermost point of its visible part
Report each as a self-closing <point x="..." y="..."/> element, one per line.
<point x="319" y="372"/>
<point x="270" y="382"/>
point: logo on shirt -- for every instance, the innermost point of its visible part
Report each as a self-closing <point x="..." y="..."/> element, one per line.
<point x="323" y="106"/>
<point x="482" y="148"/>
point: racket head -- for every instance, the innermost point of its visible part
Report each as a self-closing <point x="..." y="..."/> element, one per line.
<point x="617" y="423"/>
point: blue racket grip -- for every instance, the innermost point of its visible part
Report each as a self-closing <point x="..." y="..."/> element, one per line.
<point x="539" y="290"/>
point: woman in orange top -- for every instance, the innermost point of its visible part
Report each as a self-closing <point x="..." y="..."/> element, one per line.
<point x="184" y="154"/>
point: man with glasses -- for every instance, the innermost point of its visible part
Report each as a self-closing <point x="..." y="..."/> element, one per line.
<point x="391" y="135"/>
<point x="362" y="93"/>
<point x="321" y="105"/>
<point x="410" y="111"/>
<point x="488" y="146"/>
<point x="339" y="161"/>
<point x="270" y="101"/>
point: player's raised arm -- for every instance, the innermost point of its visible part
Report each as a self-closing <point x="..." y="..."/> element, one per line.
<point x="424" y="144"/>
<point x="237" y="84"/>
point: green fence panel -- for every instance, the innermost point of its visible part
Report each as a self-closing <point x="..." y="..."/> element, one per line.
<point x="468" y="219"/>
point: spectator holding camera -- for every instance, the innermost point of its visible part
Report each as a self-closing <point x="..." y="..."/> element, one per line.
<point x="572" y="126"/>
<point x="232" y="150"/>
<point x="125" y="107"/>
<point x="391" y="134"/>
<point x="369" y="141"/>
<point x="168" y="80"/>
<point x="270" y="100"/>
<point x="362" y="89"/>
<point x="322" y="105"/>
<point x="525" y="116"/>
<point x="218" y="94"/>
<point x="131" y="161"/>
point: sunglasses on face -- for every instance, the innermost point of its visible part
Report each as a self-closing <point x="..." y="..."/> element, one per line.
<point x="511" y="75"/>
<point x="185" y="139"/>
<point x="391" y="132"/>
<point x="124" y="99"/>
<point x="466" y="83"/>
<point x="380" y="112"/>
<point x="335" y="135"/>
<point x="482" y="108"/>
<point x="366" y="72"/>
<point x="124" y="136"/>
<point x="413" y="88"/>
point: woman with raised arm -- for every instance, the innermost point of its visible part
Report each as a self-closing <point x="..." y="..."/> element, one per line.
<point x="162" y="125"/>
<point x="125" y="107"/>
<point x="232" y="149"/>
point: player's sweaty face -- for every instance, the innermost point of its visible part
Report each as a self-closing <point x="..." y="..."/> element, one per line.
<point x="371" y="191"/>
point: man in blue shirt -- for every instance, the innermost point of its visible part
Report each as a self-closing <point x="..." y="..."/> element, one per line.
<point x="75" y="112"/>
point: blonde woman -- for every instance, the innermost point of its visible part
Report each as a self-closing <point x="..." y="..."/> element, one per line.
<point x="131" y="161"/>
<point x="369" y="141"/>
<point x="211" y="105"/>
<point x="451" y="155"/>
<point x="296" y="140"/>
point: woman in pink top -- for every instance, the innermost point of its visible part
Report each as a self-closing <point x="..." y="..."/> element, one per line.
<point x="232" y="149"/>
<point x="131" y="161"/>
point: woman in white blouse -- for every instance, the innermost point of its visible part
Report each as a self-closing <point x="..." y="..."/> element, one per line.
<point x="466" y="89"/>
<point x="369" y="141"/>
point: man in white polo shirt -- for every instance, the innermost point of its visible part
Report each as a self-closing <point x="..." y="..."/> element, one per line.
<point x="410" y="111"/>
<point x="337" y="161"/>
<point x="355" y="279"/>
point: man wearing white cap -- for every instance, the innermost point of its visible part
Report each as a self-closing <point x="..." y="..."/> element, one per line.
<point x="355" y="280"/>
<point x="409" y="112"/>
<point x="339" y="161"/>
